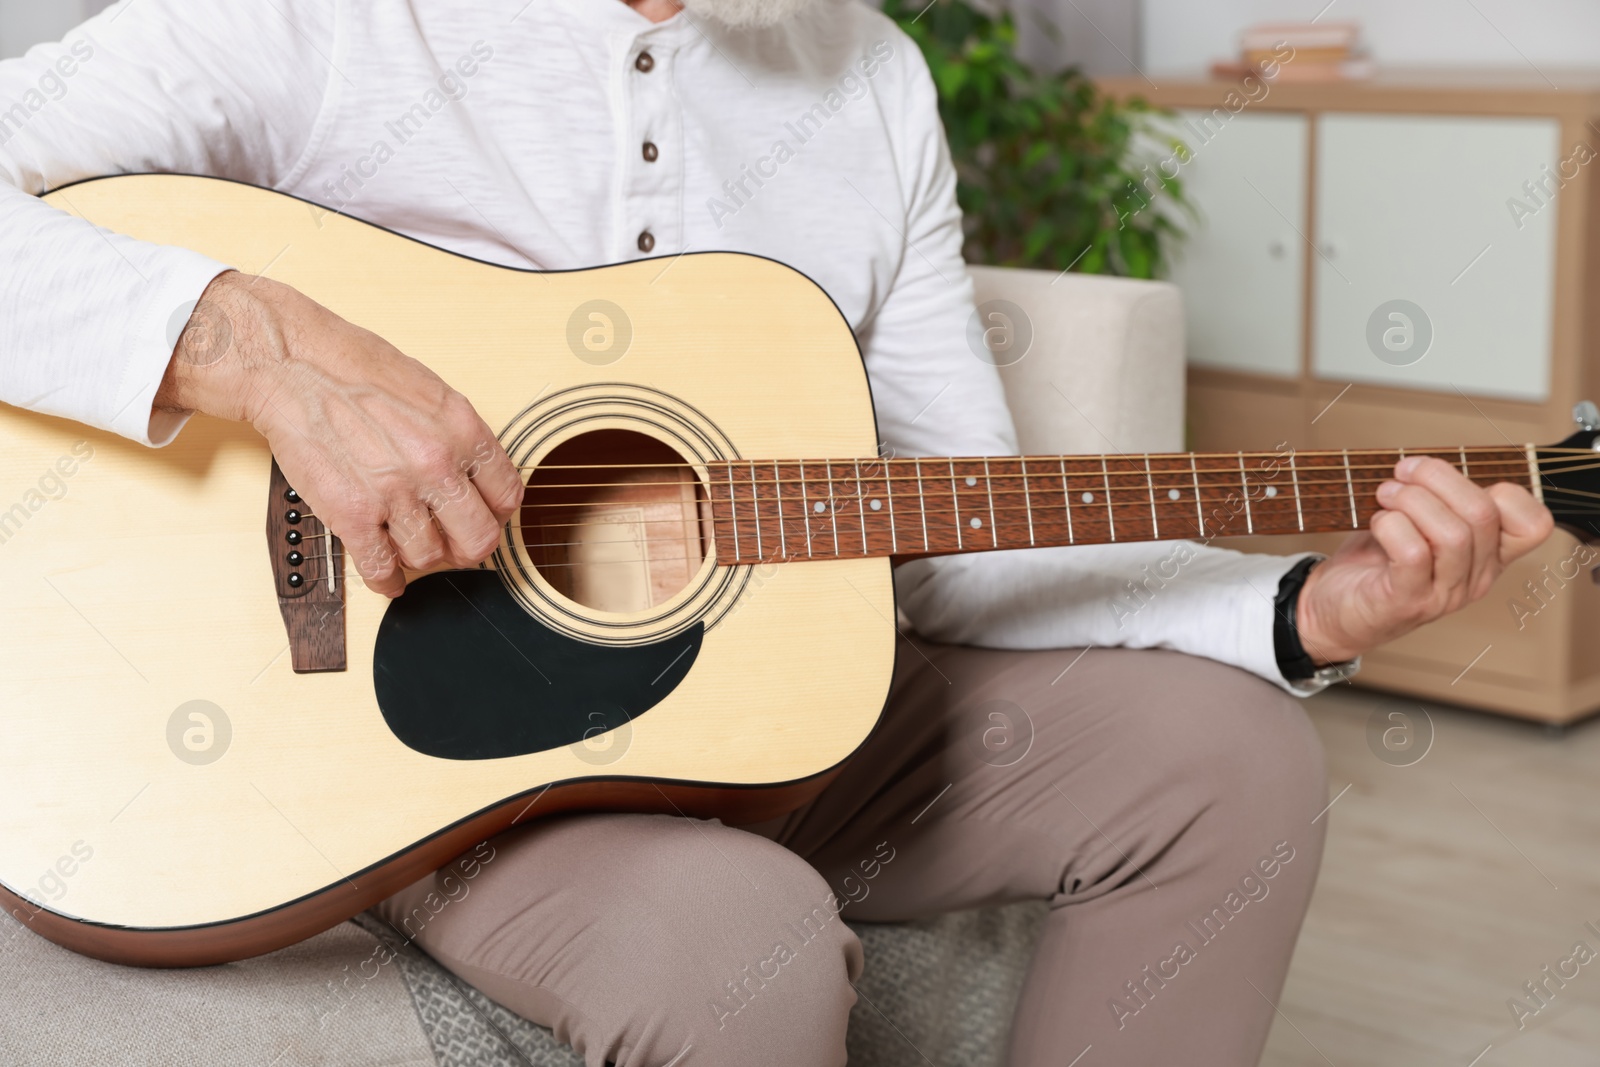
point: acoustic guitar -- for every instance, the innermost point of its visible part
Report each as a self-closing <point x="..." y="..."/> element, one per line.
<point x="218" y="742"/>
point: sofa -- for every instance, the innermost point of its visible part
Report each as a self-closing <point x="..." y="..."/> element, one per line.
<point x="1090" y="364"/>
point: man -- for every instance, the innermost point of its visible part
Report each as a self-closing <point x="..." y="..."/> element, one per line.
<point x="1167" y="796"/>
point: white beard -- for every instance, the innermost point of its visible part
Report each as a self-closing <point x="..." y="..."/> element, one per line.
<point x="747" y="14"/>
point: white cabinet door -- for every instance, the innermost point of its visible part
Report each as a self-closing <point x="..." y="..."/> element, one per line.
<point x="1426" y="275"/>
<point x="1242" y="268"/>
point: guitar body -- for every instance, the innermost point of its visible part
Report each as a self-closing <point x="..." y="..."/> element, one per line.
<point x="173" y="792"/>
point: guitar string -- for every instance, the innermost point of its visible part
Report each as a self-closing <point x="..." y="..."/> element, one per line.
<point x="1229" y="478"/>
<point x="1519" y="462"/>
<point x="1136" y="496"/>
<point x="1437" y="451"/>
<point x="1120" y="496"/>
<point x="797" y="557"/>
<point x="1314" y="513"/>
<point x="1138" y="499"/>
<point x="762" y="491"/>
<point x="1141" y="491"/>
<point x="1228" y="475"/>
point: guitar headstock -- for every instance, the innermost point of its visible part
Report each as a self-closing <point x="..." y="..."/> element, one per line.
<point x="1570" y="475"/>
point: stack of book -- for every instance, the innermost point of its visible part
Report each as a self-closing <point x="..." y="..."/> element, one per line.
<point x="1298" y="52"/>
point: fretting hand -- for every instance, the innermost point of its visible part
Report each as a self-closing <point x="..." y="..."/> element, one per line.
<point x="1438" y="544"/>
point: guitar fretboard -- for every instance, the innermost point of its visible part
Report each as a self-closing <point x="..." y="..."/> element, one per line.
<point x="767" y="511"/>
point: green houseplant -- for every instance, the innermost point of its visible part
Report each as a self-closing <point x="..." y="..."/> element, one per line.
<point x="1051" y="172"/>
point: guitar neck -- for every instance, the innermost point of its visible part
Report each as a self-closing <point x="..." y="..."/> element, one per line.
<point x="767" y="511"/>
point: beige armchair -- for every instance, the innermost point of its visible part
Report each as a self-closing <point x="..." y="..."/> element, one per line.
<point x="1106" y="369"/>
<point x="1104" y="373"/>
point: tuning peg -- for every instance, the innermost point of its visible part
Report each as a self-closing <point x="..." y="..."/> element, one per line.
<point x="1586" y="415"/>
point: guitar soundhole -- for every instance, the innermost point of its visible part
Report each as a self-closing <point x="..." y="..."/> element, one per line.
<point x="616" y="521"/>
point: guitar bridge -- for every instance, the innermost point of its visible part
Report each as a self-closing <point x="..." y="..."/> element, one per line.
<point x="308" y="574"/>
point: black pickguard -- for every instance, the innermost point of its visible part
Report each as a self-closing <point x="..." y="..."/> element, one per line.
<point x="463" y="672"/>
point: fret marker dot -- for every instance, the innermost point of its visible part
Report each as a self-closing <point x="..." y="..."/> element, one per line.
<point x="971" y="480"/>
<point x="1173" y="494"/>
<point x="1272" y="490"/>
<point x="977" y="524"/>
<point x="1088" y="498"/>
<point x="875" y="505"/>
<point x="819" y="507"/>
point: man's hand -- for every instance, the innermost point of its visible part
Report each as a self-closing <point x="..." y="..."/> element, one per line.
<point x="389" y="457"/>
<point x="1438" y="544"/>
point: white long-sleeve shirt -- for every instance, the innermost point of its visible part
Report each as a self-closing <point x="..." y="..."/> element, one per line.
<point x="558" y="134"/>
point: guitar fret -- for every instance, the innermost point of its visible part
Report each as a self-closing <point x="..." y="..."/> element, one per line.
<point x="1464" y="462"/>
<point x="1536" y="486"/>
<point x="888" y="495"/>
<point x="733" y="512"/>
<point x="1350" y="485"/>
<point x="805" y="508"/>
<point x="1149" y="481"/>
<point x="1199" y="505"/>
<point x="988" y="487"/>
<point x="1111" y="515"/>
<point x="833" y="508"/>
<point x="1244" y="483"/>
<point x="783" y="538"/>
<point x="922" y="502"/>
<point x="1027" y="497"/>
<point x="1066" y="500"/>
<point x="755" y="502"/>
<point x="861" y="509"/>
<point x="955" y="502"/>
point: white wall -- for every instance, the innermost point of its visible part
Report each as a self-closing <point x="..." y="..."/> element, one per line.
<point x="1186" y="35"/>
<point x="24" y="23"/>
<point x="1101" y="36"/>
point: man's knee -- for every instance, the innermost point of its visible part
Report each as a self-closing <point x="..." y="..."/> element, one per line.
<point x="778" y="963"/>
<point x="1252" y="759"/>
<point x="643" y="935"/>
<point x="1224" y="740"/>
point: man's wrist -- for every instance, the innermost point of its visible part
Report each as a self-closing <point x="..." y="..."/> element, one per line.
<point x="1321" y="646"/>
<point x="229" y="340"/>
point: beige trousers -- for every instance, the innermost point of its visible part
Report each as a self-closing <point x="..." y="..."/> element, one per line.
<point x="1161" y="804"/>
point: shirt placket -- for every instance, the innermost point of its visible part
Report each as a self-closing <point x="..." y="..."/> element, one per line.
<point x="651" y="152"/>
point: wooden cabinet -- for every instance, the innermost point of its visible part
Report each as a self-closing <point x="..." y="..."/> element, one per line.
<point x="1242" y="274"/>
<point x="1457" y="208"/>
<point x="1413" y="208"/>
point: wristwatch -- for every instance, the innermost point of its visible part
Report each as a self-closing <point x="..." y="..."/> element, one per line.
<point x="1296" y="664"/>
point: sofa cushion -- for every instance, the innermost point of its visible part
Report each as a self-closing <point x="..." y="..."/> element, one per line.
<point x="326" y="1002"/>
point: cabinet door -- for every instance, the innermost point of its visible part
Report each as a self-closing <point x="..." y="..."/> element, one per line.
<point x="1420" y="210"/>
<point x="1242" y="268"/>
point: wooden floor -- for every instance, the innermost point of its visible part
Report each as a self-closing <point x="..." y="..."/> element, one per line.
<point x="1447" y="885"/>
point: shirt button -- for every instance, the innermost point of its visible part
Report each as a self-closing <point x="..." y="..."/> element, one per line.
<point x="651" y="153"/>
<point x="645" y="63"/>
<point x="647" y="241"/>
